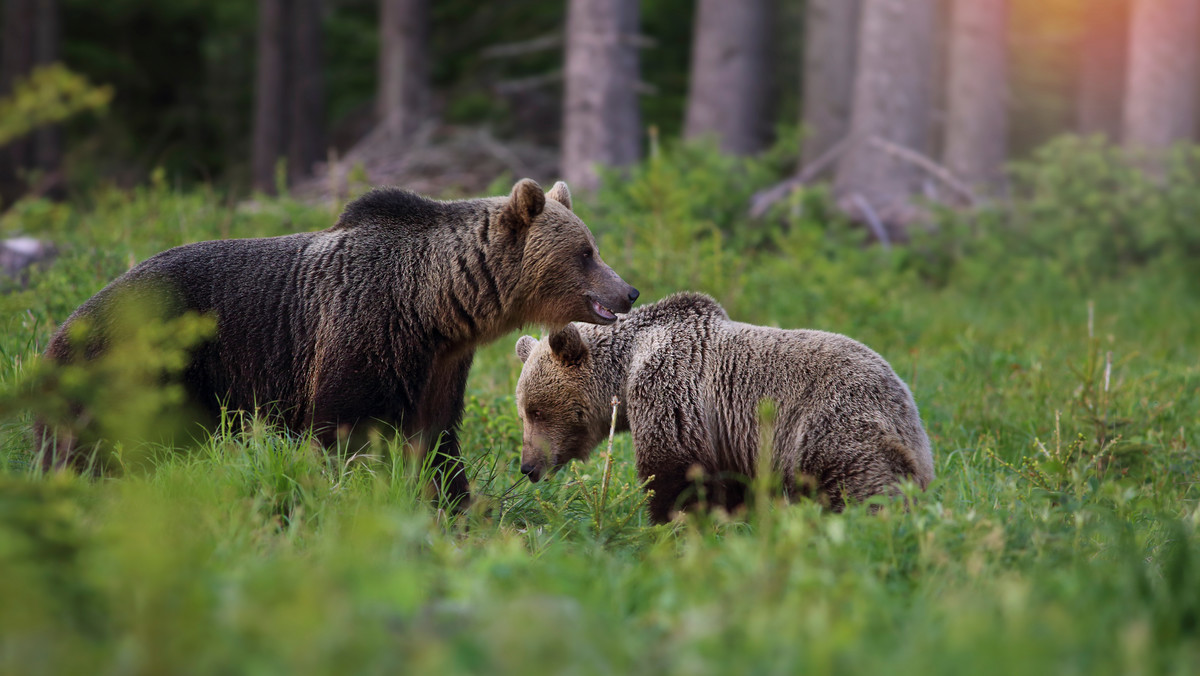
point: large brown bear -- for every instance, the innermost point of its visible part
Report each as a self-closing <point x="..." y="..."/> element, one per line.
<point x="690" y="381"/>
<point x="375" y="319"/>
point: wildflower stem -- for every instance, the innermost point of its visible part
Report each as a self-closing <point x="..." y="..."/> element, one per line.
<point x="612" y="430"/>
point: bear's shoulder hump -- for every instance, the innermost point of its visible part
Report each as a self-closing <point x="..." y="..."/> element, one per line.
<point x="394" y="207"/>
<point x="683" y="305"/>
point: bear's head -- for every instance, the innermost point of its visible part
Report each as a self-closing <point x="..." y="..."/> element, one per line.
<point x="564" y="400"/>
<point x="562" y="277"/>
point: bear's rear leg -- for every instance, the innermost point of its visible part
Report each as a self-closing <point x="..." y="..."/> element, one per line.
<point x="450" y="473"/>
<point x="876" y="468"/>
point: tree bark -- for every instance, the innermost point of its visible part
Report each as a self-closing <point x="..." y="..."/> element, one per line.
<point x="17" y="61"/>
<point x="289" y="93"/>
<point x="892" y="92"/>
<point x="730" y="74"/>
<point x="1160" y="102"/>
<point x="30" y="39"/>
<point x="977" y="96"/>
<point x="403" y="67"/>
<point x="47" y="141"/>
<point x="16" y="52"/>
<point x="1104" y="58"/>
<point x="306" y="145"/>
<point x="270" y="94"/>
<point x="601" y="123"/>
<point x="830" y="55"/>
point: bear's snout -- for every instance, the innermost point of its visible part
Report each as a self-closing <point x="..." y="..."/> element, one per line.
<point x="532" y="471"/>
<point x="623" y="297"/>
<point x="612" y="294"/>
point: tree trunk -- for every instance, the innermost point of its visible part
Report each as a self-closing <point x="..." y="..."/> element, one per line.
<point x="306" y="144"/>
<point x="270" y="94"/>
<point x="601" y="124"/>
<point x="730" y="74"/>
<point x="17" y="62"/>
<point x="1104" y="56"/>
<point x="17" y="49"/>
<point x="977" y="96"/>
<point x="892" y="92"/>
<point x="47" y="141"/>
<point x="1160" y="102"/>
<point x="30" y="39"/>
<point x="830" y="54"/>
<point x="403" y="67"/>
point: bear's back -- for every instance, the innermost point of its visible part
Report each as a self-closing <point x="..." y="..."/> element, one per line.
<point x="257" y="275"/>
<point x="400" y="213"/>
<point x="199" y="275"/>
<point x="827" y="388"/>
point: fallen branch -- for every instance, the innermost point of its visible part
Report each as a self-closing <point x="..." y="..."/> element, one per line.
<point x="502" y="153"/>
<point x="524" y="84"/>
<point x="932" y="168"/>
<point x="876" y="226"/>
<point x="506" y="50"/>
<point x="645" y="88"/>
<point x="765" y="199"/>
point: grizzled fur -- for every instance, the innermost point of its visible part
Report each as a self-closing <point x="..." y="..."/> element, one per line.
<point x="690" y="381"/>
<point x="376" y="318"/>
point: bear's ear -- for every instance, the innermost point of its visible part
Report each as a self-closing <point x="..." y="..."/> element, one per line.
<point x="525" y="345"/>
<point x="567" y="345"/>
<point x="526" y="201"/>
<point x="560" y="193"/>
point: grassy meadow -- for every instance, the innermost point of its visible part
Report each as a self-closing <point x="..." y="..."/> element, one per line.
<point x="1052" y="344"/>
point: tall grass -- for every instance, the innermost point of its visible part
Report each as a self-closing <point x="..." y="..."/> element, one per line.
<point x="1061" y="534"/>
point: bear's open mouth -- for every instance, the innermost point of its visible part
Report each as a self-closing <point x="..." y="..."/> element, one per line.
<point x="603" y="312"/>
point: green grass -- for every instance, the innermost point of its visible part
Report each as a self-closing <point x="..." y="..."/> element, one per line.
<point x="252" y="553"/>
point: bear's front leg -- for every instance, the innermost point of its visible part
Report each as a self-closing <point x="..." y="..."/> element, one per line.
<point x="670" y="437"/>
<point x="438" y="417"/>
<point x="677" y="463"/>
<point x="670" y="483"/>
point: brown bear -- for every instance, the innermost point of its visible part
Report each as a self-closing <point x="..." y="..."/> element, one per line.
<point x="374" y="319"/>
<point x="690" y="382"/>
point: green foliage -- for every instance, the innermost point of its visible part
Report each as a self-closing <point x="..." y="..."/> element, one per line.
<point x="256" y="552"/>
<point x="50" y="94"/>
<point x="1108" y="212"/>
<point x="130" y="394"/>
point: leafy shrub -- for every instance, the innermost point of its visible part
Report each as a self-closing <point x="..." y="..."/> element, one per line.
<point x="126" y="397"/>
<point x="1098" y="211"/>
<point x="50" y="94"/>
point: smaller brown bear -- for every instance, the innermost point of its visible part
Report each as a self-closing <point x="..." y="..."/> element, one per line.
<point x="691" y="380"/>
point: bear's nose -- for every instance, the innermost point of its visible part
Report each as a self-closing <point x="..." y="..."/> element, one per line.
<point x="531" y="470"/>
<point x="633" y="294"/>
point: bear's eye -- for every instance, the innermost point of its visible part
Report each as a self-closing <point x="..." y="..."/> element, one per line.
<point x="535" y="414"/>
<point x="587" y="253"/>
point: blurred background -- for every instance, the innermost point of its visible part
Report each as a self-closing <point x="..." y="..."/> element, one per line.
<point x="891" y="97"/>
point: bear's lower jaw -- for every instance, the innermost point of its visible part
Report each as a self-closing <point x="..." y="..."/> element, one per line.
<point x="602" y="312"/>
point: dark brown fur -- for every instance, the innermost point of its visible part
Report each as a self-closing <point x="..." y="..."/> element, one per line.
<point x="376" y="318"/>
<point x="691" y="381"/>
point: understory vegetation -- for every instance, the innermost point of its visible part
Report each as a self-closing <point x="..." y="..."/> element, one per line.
<point x="1051" y="343"/>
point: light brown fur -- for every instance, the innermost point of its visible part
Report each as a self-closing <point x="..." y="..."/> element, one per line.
<point x="691" y="380"/>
